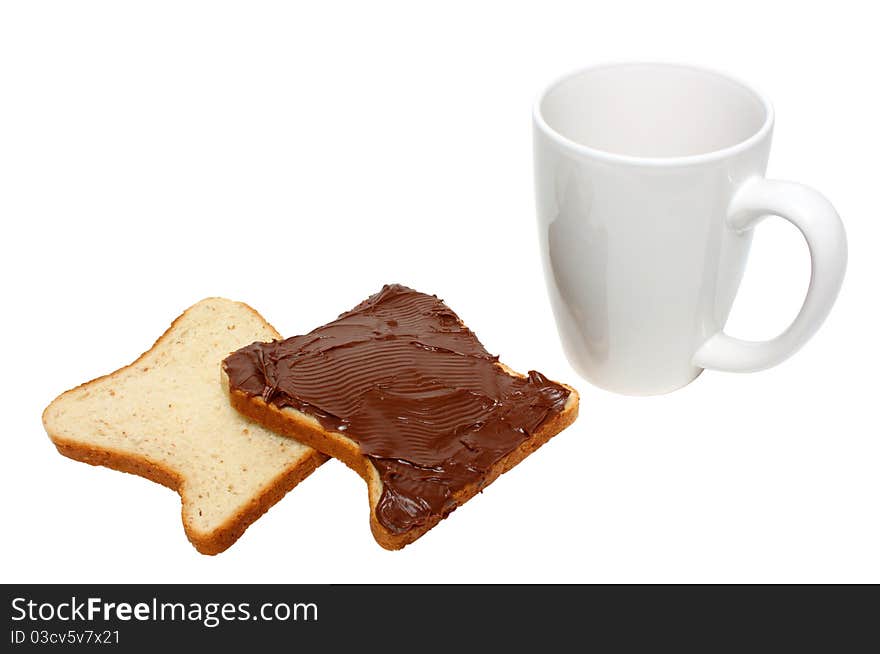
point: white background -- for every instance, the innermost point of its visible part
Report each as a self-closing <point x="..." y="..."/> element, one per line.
<point x="297" y="156"/>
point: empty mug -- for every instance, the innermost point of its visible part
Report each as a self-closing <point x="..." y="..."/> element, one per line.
<point x="649" y="182"/>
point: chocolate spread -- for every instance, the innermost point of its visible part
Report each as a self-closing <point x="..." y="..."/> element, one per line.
<point x="402" y="376"/>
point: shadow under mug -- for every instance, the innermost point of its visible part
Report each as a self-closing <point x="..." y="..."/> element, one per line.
<point x="649" y="181"/>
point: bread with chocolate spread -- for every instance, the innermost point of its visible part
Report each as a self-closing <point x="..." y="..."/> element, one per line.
<point x="404" y="393"/>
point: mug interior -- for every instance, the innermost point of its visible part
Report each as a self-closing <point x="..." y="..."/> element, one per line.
<point x="653" y="110"/>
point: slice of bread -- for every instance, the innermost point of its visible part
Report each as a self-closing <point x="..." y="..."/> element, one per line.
<point x="307" y="421"/>
<point x="166" y="417"/>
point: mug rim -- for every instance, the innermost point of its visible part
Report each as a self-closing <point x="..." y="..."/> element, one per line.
<point x="685" y="160"/>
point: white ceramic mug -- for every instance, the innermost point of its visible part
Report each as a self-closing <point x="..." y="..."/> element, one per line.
<point x="649" y="182"/>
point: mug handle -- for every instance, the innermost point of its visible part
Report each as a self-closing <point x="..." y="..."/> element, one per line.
<point x="813" y="215"/>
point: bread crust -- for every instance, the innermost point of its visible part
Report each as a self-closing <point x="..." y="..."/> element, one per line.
<point x="229" y="531"/>
<point x="305" y="429"/>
